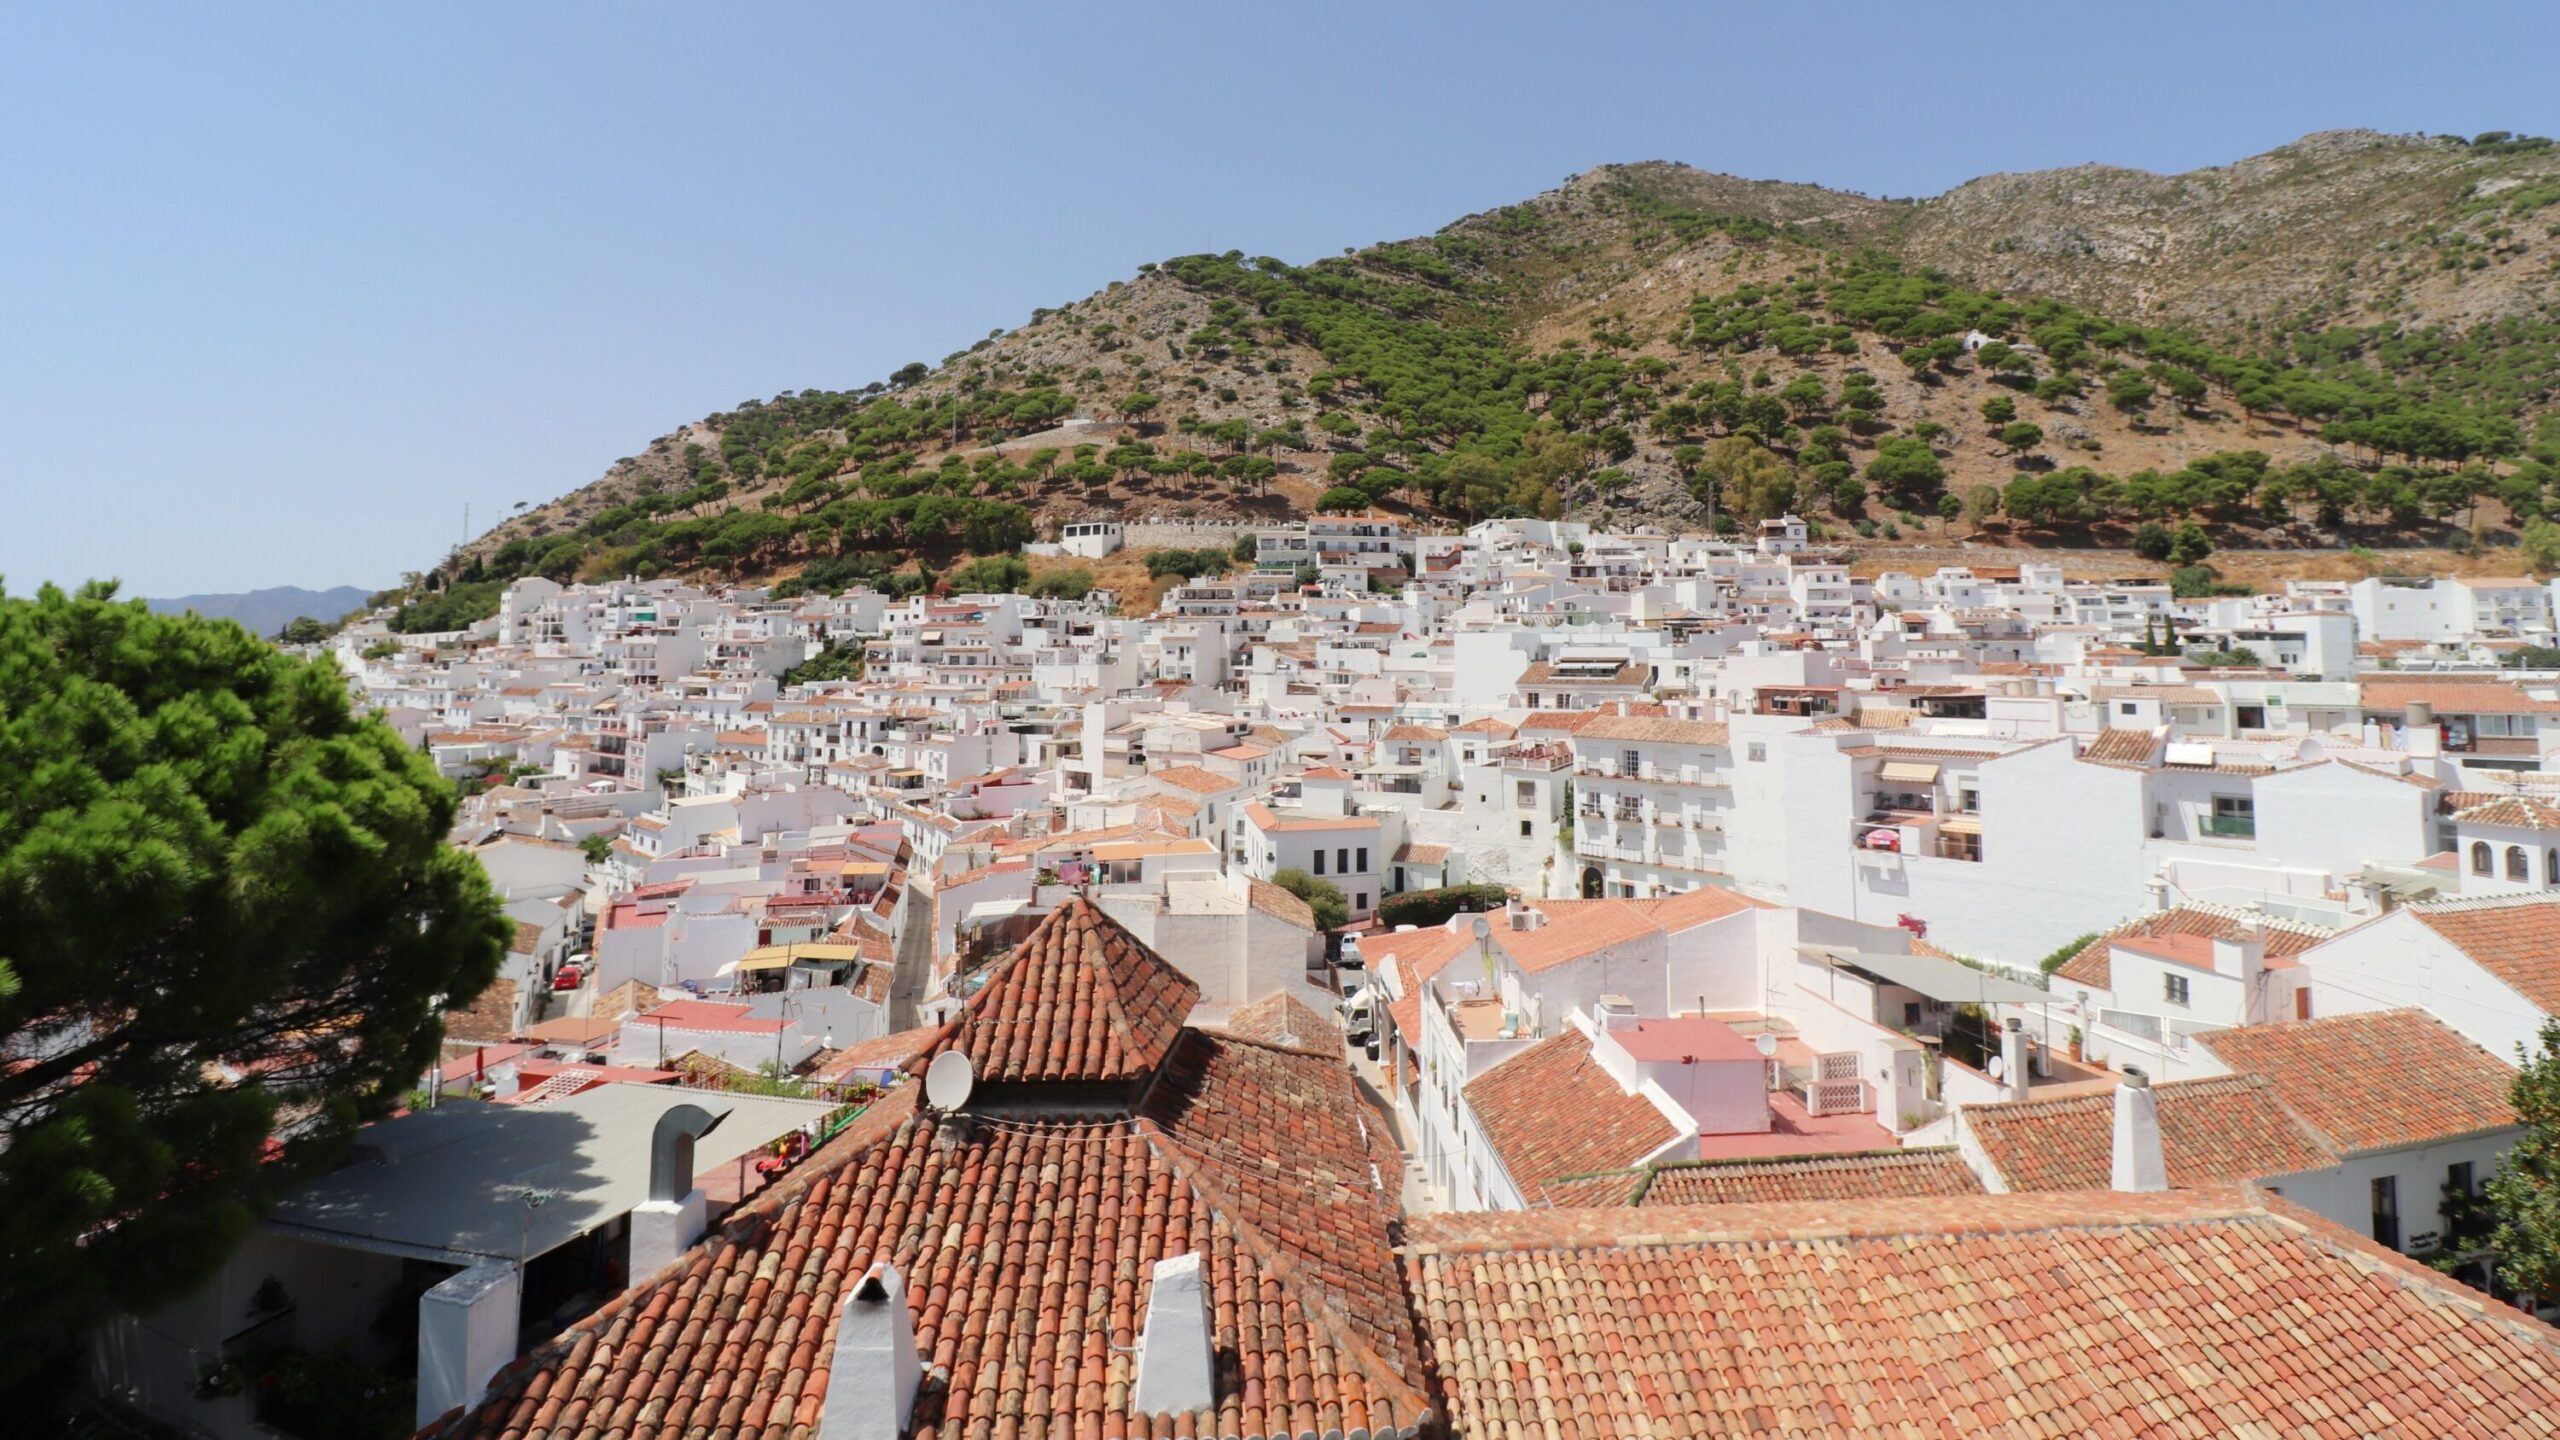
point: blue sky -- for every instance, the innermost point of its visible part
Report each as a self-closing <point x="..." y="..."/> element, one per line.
<point x="283" y="288"/>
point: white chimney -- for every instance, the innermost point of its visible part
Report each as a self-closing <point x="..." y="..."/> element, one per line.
<point x="673" y="1216"/>
<point x="2138" y="1161"/>
<point x="871" y="1383"/>
<point x="1177" y="1363"/>
<point x="466" y="1332"/>
<point x="1617" y="1012"/>
<point x="2013" y="1057"/>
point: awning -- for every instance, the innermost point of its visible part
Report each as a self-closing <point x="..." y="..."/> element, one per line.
<point x="864" y="867"/>
<point x="765" y="960"/>
<point x="1938" y="979"/>
<point x="1960" y="825"/>
<point x="1910" y="772"/>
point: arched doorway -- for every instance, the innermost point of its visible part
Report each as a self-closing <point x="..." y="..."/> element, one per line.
<point x="1590" y="883"/>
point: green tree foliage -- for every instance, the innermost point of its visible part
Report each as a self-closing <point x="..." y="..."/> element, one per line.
<point x="2021" y="436"/>
<point x="2541" y="545"/>
<point x="1324" y="897"/>
<point x="303" y="631"/>
<point x="2151" y="540"/>
<point x="1434" y="907"/>
<point x="227" y="913"/>
<point x="2062" y="953"/>
<point x="991" y="575"/>
<point x="458" y="607"/>
<point x="1999" y="410"/>
<point x="837" y="662"/>
<point x="1746" y="478"/>
<point x="1905" y="469"/>
<point x="596" y="848"/>
<point x="1189" y="564"/>
<point x="2525" y="1193"/>
<point x="1073" y="582"/>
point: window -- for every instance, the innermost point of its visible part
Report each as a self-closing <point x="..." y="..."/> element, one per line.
<point x="1360" y="901"/>
<point x="1910" y="1014"/>
<point x="1524" y="829"/>
<point x="2479" y="857"/>
<point x="2519" y="865"/>
<point x="2125" y="707"/>
<point x="1364" y="859"/>
<point x="2173" y="988"/>
<point x="1758" y="752"/>
<point x="1629" y="762"/>
<point x="2251" y="717"/>
<point x="1400" y="877"/>
<point x="2386" y="1210"/>
<point x="1342" y="860"/>
<point x="1319" y="862"/>
<point x="2457" y="1178"/>
<point x="1526" y="796"/>
<point x="2235" y="817"/>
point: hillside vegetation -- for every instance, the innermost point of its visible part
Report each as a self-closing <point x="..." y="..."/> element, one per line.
<point x="2350" y="339"/>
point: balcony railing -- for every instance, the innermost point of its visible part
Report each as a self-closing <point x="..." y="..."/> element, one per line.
<point x="2230" y="827"/>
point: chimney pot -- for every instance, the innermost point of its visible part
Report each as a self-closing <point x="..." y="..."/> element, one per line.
<point x="1177" y="1362"/>
<point x="2138" y="1162"/>
<point x="871" y="1383"/>
<point x="2013" y="1058"/>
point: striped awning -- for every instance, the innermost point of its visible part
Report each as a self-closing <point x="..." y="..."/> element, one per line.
<point x="1910" y="772"/>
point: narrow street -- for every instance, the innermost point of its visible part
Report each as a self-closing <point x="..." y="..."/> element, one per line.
<point x="914" y="964"/>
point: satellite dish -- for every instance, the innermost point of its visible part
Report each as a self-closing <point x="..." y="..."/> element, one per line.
<point x="1481" y="926"/>
<point x="947" y="1081"/>
<point x="1999" y="1067"/>
<point x="1766" y="1042"/>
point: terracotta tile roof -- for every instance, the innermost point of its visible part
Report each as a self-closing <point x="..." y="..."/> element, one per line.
<point x="1281" y="904"/>
<point x="1281" y="1018"/>
<point x="2094" y="968"/>
<point x="1417" y="733"/>
<point x="1269" y="821"/>
<point x="1489" y="725"/>
<point x="2516" y="939"/>
<point x="1194" y="779"/>
<point x="1658" y="729"/>
<point x="2453" y="697"/>
<point x="1872" y="1175"/>
<point x="2185" y="1313"/>
<point x="1027" y="1248"/>
<point x="1080" y="1000"/>
<point x="2122" y="747"/>
<point x="1550" y="1110"/>
<point x="1541" y="672"/>
<point x="2513" y="810"/>
<point x="490" y="1017"/>
<point x="2374" y="1080"/>
<point x="882" y="1052"/>
<point x="1594" y="925"/>
<point x="526" y="938"/>
<point x="2212" y="1132"/>
<point x="1420" y="852"/>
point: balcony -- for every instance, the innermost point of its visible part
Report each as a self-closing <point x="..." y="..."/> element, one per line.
<point x="2228" y="827"/>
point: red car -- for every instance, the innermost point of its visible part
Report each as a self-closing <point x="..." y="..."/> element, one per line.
<point x="568" y="978"/>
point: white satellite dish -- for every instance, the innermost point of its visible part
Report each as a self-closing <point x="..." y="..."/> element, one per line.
<point x="948" y="1081"/>
<point x="1766" y="1042"/>
<point x="1999" y="1067"/>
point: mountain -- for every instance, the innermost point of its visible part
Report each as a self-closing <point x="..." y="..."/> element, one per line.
<point x="264" y="612"/>
<point x="2348" y="339"/>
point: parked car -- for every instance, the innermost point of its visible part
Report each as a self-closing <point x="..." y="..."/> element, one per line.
<point x="569" y="978"/>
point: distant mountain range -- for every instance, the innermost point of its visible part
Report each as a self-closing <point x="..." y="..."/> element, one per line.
<point x="265" y="612"/>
